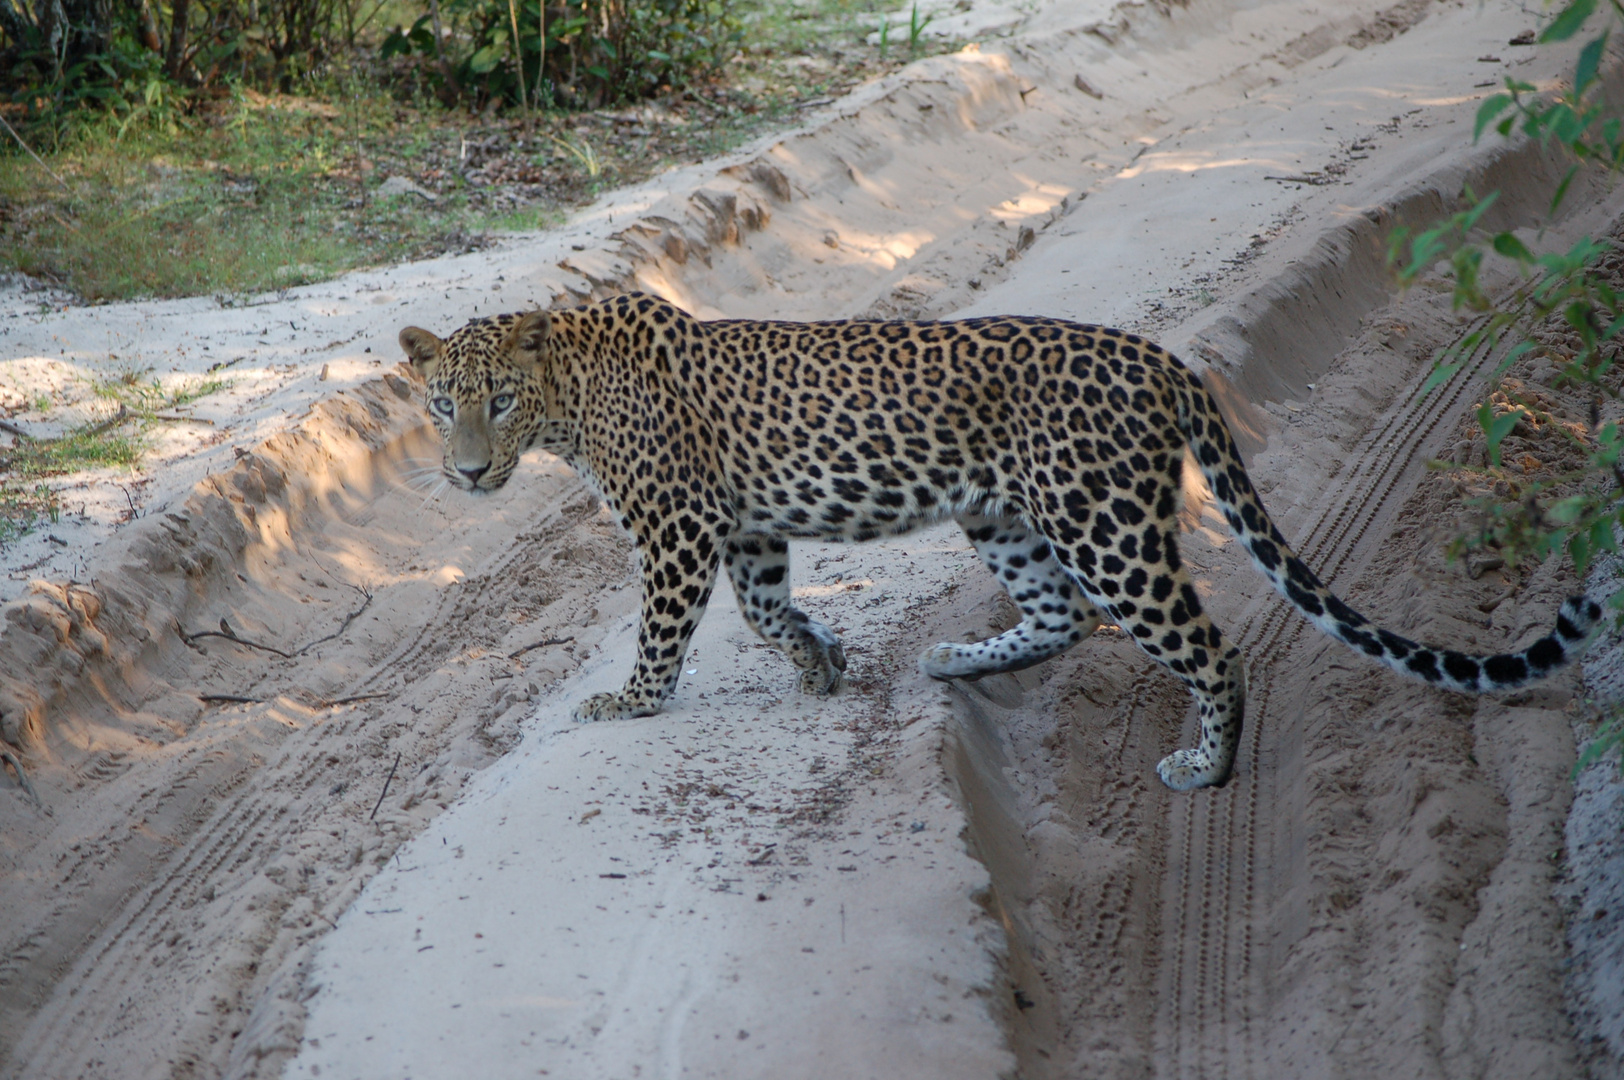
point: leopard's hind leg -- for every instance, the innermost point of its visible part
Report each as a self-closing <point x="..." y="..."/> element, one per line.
<point x="1055" y="615"/>
<point x="1127" y="563"/>
<point x="759" y="568"/>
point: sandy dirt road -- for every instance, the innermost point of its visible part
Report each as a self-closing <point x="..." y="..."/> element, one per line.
<point x="399" y="859"/>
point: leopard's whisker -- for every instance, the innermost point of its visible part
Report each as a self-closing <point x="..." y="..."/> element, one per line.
<point x="434" y="492"/>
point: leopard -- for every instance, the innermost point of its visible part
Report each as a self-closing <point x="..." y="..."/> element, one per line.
<point x="1058" y="447"/>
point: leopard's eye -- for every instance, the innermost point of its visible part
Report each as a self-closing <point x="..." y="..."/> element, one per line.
<point x="501" y="403"/>
<point x="444" y="406"/>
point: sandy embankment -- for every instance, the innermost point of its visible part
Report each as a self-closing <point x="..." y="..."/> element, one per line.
<point x="756" y="883"/>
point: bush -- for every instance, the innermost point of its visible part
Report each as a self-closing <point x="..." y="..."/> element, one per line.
<point x="1575" y="289"/>
<point x="597" y="52"/>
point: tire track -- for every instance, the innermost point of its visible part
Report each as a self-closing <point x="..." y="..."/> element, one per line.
<point x="266" y="800"/>
<point x="1207" y="1024"/>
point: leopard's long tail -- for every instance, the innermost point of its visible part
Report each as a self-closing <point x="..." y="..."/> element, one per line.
<point x="1219" y="458"/>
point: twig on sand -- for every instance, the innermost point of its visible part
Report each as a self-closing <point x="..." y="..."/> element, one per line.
<point x="324" y="703"/>
<point x="385" y="790"/>
<point x="343" y="626"/>
<point x="231" y="635"/>
<point x="11" y="759"/>
<point x="540" y="645"/>
<point x="352" y="699"/>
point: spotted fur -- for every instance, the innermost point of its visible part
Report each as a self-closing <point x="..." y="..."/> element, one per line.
<point x="1056" y="446"/>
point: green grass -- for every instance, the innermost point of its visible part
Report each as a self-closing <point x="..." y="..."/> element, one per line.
<point x="249" y="193"/>
<point x="146" y="397"/>
<point x="21" y="510"/>
<point x="119" y="442"/>
<point x="82" y="448"/>
<point x="257" y="195"/>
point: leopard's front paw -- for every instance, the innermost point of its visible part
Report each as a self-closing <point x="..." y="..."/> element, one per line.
<point x="608" y="706"/>
<point x="828" y="661"/>
<point x="1187" y="770"/>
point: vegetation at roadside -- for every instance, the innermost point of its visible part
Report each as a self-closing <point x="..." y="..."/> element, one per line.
<point x="1568" y="314"/>
<point x="119" y="441"/>
<point x="250" y="145"/>
<point x="162" y="148"/>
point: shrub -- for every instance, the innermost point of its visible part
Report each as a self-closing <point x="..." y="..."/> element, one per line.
<point x="597" y="52"/>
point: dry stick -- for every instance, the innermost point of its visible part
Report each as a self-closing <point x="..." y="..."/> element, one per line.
<point x="235" y="699"/>
<point x="345" y="625"/>
<point x="353" y="698"/>
<point x="33" y="155"/>
<point x="111" y="422"/>
<point x="229" y="634"/>
<point x="12" y="429"/>
<point x="385" y="790"/>
<point x="540" y="645"/>
<point x="11" y="759"/>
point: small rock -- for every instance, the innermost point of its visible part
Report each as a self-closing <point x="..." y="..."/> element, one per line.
<point x="399" y="185"/>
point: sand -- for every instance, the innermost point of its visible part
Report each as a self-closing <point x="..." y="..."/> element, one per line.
<point x="402" y="859"/>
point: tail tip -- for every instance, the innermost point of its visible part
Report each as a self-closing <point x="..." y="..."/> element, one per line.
<point x="1581" y="614"/>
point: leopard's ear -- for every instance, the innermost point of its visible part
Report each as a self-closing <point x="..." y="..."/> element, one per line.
<point x="422" y="348"/>
<point x="527" y="341"/>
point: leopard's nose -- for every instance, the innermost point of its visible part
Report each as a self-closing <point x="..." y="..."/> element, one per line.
<point x="473" y="475"/>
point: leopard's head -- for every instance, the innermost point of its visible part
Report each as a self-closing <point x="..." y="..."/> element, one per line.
<point x="487" y="394"/>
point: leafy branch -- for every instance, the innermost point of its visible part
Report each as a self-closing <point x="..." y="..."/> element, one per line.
<point x="1571" y="290"/>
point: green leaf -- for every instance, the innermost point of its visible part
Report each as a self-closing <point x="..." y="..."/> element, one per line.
<point x="1579" y="551"/>
<point x="1492" y="106"/>
<point x="1479" y="208"/>
<point x="1602" y="537"/>
<point x="1496" y="428"/>
<point x="1562" y="188"/>
<point x="1566" y="511"/>
<point x="1512" y="248"/>
<point x="1522" y="349"/>
<point x="1441" y="373"/>
<point x="1568" y="22"/>
<point x="1589" y="61"/>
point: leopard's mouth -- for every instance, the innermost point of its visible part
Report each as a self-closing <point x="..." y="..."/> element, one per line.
<point x="484" y="484"/>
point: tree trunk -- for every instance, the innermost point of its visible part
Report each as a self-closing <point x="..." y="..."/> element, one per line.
<point x="180" y="11"/>
<point x="53" y="27"/>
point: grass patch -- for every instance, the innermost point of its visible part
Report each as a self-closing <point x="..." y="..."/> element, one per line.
<point x="247" y="192"/>
<point x="118" y="442"/>
<point x="146" y="398"/>
<point x="21" y="510"/>
<point x="24" y="505"/>
<point x="81" y="448"/>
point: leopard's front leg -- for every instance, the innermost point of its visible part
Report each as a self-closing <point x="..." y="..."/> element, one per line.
<point x="759" y="568"/>
<point x="677" y="577"/>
